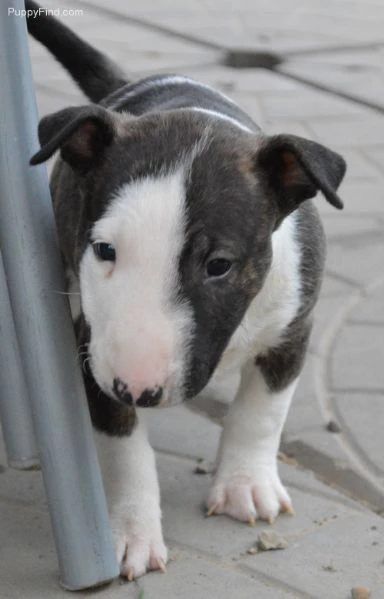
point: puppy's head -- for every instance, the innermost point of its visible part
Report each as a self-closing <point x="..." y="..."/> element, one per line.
<point x="176" y="214"/>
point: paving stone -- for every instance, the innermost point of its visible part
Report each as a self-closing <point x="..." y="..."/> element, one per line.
<point x="304" y="412"/>
<point x="28" y="563"/>
<point x="361" y="263"/>
<point x="183" y="495"/>
<point x="45" y="69"/>
<point x="47" y="103"/>
<point x="179" y="430"/>
<point x="344" y="228"/>
<point x="361" y="416"/>
<point x="348" y="131"/>
<point x="323" y="452"/>
<point x="341" y="25"/>
<point x="310" y="483"/>
<point x="360" y="164"/>
<point x="357" y="360"/>
<point x="191" y="576"/>
<point x="307" y="104"/>
<point x="300" y="474"/>
<point x="354" y="60"/>
<point x="138" y="39"/>
<point x="24" y="489"/>
<point x="362" y="85"/>
<point x="375" y="155"/>
<point x="371" y="310"/>
<point x="360" y="198"/>
<point x="221" y="24"/>
<point x="332" y="288"/>
<point x="328" y="562"/>
<point x="325" y="312"/>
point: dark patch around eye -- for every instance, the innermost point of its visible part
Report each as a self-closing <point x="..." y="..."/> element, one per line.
<point x="218" y="267"/>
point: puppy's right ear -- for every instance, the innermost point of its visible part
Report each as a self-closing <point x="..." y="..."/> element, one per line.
<point x="81" y="133"/>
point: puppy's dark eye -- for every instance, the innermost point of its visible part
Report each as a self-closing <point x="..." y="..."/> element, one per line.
<point x="218" y="267"/>
<point x="104" y="251"/>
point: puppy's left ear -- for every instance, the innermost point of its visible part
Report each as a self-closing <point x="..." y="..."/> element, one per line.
<point x="81" y="133"/>
<point x="296" y="169"/>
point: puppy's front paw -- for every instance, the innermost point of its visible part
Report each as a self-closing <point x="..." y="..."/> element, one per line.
<point x="139" y="544"/>
<point x="246" y="497"/>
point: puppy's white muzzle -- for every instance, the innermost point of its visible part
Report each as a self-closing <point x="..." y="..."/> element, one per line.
<point x="145" y="375"/>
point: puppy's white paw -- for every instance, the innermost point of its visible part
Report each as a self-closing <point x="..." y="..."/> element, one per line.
<point x="247" y="497"/>
<point x="139" y="546"/>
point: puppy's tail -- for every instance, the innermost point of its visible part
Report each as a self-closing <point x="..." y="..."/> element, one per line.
<point x="94" y="73"/>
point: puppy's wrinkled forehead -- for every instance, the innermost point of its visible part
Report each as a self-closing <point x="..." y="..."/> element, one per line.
<point x="203" y="167"/>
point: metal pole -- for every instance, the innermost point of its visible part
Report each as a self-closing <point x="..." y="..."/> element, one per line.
<point x="44" y="329"/>
<point x="15" y="408"/>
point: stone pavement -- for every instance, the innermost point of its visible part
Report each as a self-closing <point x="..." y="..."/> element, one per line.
<point x="328" y="88"/>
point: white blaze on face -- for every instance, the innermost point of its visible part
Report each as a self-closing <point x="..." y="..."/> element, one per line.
<point x="139" y="330"/>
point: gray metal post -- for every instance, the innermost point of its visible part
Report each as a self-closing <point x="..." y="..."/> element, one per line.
<point x="15" y="409"/>
<point x="44" y="330"/>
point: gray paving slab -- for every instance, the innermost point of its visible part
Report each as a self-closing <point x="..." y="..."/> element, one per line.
<point x="25" y="534"/>
<point x="361" y="263"/>
<point x="338" y="464"/>
<point x="335" y="293"/>
<point x="346" y="228"/>
<point x="24" y="491"/>
<point x="360" y="415"/>
<point x="370" y="311"/>
<point x="364" y="84"/>
<point x="294" y="27"/>
<point x="360" y="198"/>
<point x="357" y="359"/>
<point x="349" y="132"/>
<point x="362" y="163"/>
<point x="304" y="413"/>
<point x="28" y="564"/>
<point x="376" y="156"/>
<point x="192" y="576"/>
<point x="341" y="562"/>
<point x="309" y="104"/>
<point x="183" y="495"/>
<point x="180" y="430"/>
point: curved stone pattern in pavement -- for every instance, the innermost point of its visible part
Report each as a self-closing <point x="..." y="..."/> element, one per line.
<point x="356" y="380"/>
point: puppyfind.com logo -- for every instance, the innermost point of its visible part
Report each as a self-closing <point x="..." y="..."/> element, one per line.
<point x="53" y="12"/>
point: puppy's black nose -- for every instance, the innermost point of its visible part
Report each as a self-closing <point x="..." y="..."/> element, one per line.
<point x="150" y="397"/>
<point x="120" y="389"/>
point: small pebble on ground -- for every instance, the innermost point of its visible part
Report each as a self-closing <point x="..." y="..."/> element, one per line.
<point x="333" y="427"/>
<point x="360" y="593"/>
<point x="269" y="540"/>
<point x="203" y="467"/>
